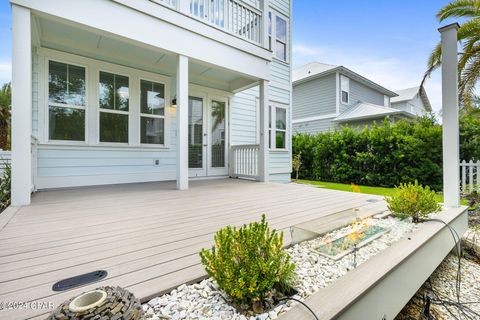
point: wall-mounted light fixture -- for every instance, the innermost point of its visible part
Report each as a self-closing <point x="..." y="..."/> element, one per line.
<point x="174" y="103"/>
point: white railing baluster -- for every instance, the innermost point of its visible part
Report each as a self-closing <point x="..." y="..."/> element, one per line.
<point x="244" y="163"/>
<point x="470" y="176"/>
<point x="477" y="181"/>
<point x="463" y="172"/>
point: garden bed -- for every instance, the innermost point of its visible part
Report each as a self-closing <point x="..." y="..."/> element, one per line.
<point x="314" y="271"/>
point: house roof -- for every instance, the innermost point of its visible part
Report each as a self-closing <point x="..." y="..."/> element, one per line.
<point x="315" y="70"/>
<point x="410" y="94"/>
<point x="364" y="110"/>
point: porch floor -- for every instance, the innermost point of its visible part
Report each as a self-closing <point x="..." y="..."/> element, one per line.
<point x="146" y="236"/>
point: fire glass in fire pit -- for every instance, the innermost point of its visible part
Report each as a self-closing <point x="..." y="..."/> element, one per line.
<point x="338" y="248"/>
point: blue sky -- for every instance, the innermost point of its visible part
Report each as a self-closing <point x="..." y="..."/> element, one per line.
<point x="387" y="41"/>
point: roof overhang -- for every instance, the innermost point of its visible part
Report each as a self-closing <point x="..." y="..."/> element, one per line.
<point x="350" y="74"/>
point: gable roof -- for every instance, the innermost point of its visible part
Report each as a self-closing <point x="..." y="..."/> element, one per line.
<point x="314" y="70"/>
<point x="364" y="110"/>
<point x="410" y="94"/>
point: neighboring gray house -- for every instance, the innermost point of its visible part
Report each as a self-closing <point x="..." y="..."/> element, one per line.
<point x="413" y="100"/>
<point x="327" y="96"/>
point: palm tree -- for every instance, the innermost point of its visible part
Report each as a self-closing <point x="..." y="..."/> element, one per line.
<point x="469" y="36"/>
<point x="5" y="103"/>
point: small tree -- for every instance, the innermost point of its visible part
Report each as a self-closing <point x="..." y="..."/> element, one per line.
<point x="413" y="200"/>
<point x="297" y="164"/>
<point x="248" y="263"/>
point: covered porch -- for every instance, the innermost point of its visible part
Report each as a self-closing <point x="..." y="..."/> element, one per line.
<point x="146" y="236"/>
<point x="97" y="103"/>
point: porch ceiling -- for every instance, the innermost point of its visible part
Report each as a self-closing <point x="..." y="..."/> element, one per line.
<point x="67" y="37"/>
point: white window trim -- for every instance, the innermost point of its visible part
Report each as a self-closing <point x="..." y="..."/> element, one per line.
<point x="273" y="35"/>
<point x="47" y="103"/>
<point x="273" y="130"/>
<point x="386" y="101"/>
<point x="344" y="84"/>
<point x="147" y="115"/>
<point x="92" y="121"/>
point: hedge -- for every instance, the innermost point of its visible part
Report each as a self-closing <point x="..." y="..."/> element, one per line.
<point x="384" y="154"/>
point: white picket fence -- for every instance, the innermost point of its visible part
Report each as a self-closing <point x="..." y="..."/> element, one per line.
<point x="470" y="175"/>
<point x="5" y="159"/>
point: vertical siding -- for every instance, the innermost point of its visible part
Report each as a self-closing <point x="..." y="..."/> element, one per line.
<point x="314" y="98"/>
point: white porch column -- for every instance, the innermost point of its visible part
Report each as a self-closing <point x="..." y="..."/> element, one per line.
<point x="21" y="106"/>
<point x="451" y="145"/>
<point x="263" y="156"/>
<point x="182" y="123"/>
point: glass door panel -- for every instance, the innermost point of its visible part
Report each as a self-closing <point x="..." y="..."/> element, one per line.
<point x="196" y="152"/>
<point x="217" y="145"/>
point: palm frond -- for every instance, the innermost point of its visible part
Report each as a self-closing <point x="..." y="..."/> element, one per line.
<point x="460" y="9"/>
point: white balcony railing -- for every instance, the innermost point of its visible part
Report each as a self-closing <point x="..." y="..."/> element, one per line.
<point x="244" y="161"/>
<point x="235" y="16"/>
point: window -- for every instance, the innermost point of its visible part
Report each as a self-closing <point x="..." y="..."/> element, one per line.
<point x="114" y="105"/>
<point x="270" y="30"/>
<point x="345" y="89"/>
<point x="152" y="112"/>
<point x="279" y="43"/>
<point x="66" y="102"/>
<point x="386" y="101"/>
<point x="277" y="128"/>
<point x="280" y="38"/>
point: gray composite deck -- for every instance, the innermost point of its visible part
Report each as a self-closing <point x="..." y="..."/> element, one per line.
<point x="147" y="236"/>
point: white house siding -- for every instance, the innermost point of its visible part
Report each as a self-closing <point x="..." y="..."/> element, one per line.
<point x="244" y="124"/>
<point x="283" y="6"/>
<point x="360" y="92"/>
<point x="314" y="98"/>
<point x="69" y="167"/>
<point x="313" y="127"/>
<point x="72" y="166"/>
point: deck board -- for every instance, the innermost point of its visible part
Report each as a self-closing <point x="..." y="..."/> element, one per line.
<point x="147" y="236"/>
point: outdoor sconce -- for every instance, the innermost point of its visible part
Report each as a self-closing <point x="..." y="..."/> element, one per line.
<point x="174" y="103"/>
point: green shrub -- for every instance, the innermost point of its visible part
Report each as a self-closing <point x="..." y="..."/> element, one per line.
<point x="413" y="200"/>
<point x="5" y="186"/>
<point x="248" y="263"/>
<point x="384" y="154"/>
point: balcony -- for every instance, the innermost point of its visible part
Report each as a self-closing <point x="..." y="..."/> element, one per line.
<point x="236" y="17"/>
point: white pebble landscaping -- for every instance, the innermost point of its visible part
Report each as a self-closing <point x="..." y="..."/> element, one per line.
<point x="204" y="300"/>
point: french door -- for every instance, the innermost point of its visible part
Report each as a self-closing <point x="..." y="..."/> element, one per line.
<point x="207" y="136"/>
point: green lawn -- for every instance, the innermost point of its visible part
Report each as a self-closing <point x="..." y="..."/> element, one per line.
<point x="379" y="191"/>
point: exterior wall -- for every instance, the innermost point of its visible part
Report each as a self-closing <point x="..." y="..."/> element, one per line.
<point x="245" y="106"/>
<point x="244" y="124"/>
<point x="313" y="127"/>
<point x="71" y="165"/>
<point x="314" y="98"/>
<point x="414" y="106"/>
<point x="360" y="92"/>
